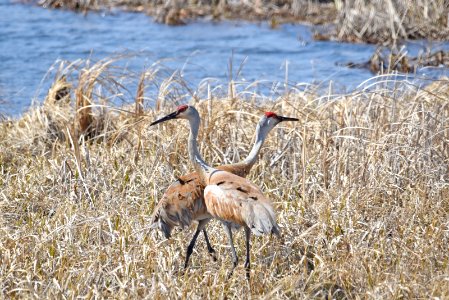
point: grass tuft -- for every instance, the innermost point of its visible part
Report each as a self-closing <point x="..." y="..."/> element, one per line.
<point x="390" y="22"/>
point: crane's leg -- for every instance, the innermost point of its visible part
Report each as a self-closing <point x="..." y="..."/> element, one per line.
<point x="200" y="227"/>
<point x="209" y="246"/>
<point x="247" y="262"/>
<point x="235" y="259"/>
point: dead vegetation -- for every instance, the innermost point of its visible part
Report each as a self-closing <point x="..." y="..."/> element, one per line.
<point x="385" y="61"/>
<point x="391" y="22"/>
<point x="180" y="12"/>
<point x="361" y="187"/>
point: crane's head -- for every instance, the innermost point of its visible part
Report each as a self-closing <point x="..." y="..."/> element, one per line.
<point x="270" y="119"/>
<point x="182" y="112"/>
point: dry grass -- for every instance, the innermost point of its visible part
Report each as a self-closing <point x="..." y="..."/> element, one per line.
<point x="361" y="187"/>
<point x="390" y="22"/>
<point x="181" y="11"/>
<point x="386" y="61"/>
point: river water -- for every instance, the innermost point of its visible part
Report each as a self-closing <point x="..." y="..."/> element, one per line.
<point x="33" y="38"/>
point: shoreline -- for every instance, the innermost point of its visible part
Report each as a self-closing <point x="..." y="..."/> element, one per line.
<point x="381" y="23"/>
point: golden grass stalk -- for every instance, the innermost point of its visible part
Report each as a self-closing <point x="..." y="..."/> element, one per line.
<point x="140" y="95"/>
<point x="83" y="103"/>
<point x="138" y="113"/>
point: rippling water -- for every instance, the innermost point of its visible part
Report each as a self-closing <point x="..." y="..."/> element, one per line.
<point x="32" y="38"/>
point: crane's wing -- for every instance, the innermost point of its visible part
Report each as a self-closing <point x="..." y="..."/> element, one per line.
<point x="235" y="199"/>
<point x="181" y="204"/>
<point x="239" y="169"/>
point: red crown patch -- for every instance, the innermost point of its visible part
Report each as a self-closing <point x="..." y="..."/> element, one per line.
<point x="270" y="114"/>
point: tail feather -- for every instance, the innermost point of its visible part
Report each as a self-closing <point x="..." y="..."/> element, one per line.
<point x="275" y="230"/>
<point x="262" y="221"/>
<point x="166" y="219"/>
<point x="159" y="221"/>
<point x="162" y="226"/>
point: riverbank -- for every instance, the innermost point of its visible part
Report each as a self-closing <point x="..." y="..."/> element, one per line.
<point x="360" y="185"/>
<point x="182" y="12"/>
<point x="383" y="22"/>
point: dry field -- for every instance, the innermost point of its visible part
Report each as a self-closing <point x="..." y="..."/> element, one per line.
<point x="391" y="22"/>
<point x="360" y="185"/>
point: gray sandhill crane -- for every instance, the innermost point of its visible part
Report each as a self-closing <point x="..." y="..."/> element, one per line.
<point x="183" y="201"/>
<point x="227" y="197"/>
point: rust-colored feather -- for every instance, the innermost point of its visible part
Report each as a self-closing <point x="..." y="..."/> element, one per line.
<point x="239" y="169"/>
<point x="180" y="204"/>
<point x="235" y="199"/>
<point x="183" y="202"/>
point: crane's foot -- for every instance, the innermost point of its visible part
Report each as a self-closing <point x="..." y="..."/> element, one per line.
<point x="230" y="274"/>
<point x="180" y="272"/>
<point x="248" y="274"/>
<point x="248" y="271"/>
<point x="232" y="270"/>
<point x="213" y="255"/>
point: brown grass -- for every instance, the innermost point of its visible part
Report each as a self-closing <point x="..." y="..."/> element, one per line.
<point x="384" y="61"/>
<point x="360" y="184"/>
<point x="391" y="22"/>
<point x="181" y="11"/>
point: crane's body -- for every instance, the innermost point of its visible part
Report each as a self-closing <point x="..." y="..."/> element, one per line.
<point x="221" y="193"/>
<point x="183" y="201"/>
<point x="234" y="199"/>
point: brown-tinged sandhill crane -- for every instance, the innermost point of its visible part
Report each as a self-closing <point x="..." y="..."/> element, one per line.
<point x="227" y="197"/>
<point x="183" y="201"/>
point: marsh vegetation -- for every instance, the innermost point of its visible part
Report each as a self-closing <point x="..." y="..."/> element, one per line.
<point x="360" y="185"/>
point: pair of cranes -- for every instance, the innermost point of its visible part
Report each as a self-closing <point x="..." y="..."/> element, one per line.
<point x="222" y="193"/>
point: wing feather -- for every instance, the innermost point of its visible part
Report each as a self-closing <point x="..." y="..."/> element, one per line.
<point x="180" y="205"/>
<point x="234" y="199"/>
<point x="184" y="202"/>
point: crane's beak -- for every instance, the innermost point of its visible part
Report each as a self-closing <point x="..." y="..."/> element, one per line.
<point x="173" y="115"/>
<point x="282" y="119"/>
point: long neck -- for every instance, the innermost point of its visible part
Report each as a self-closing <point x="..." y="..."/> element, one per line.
<point x="251" y="159"/>
<point x="195" y="157"/>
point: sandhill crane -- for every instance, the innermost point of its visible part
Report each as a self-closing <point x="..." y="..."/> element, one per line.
<point x="227" y="197"/>
<point x="183" y="201"/>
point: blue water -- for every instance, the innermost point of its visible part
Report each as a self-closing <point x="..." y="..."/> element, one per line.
<point x="33" y="38"/>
